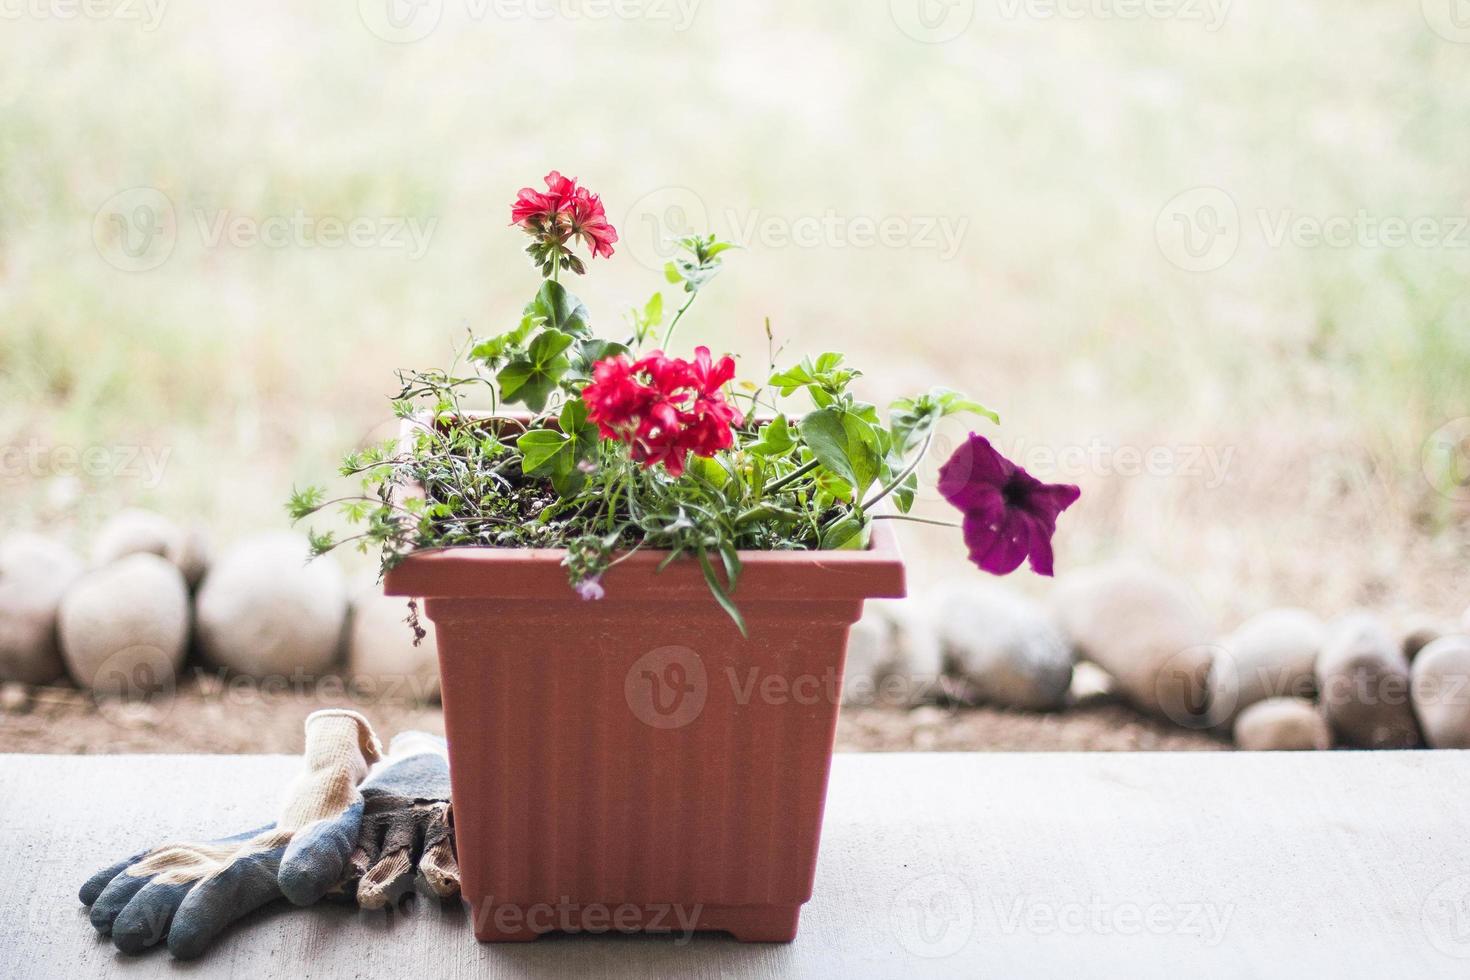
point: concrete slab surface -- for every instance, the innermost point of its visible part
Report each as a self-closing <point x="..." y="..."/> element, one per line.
<point x="1334" y="864"/>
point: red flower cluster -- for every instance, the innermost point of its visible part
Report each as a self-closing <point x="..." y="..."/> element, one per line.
<point x="664" y="407"/>
<point x="564" y="211"/>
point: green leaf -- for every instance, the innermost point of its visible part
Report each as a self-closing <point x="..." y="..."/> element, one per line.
<point x="844" y="444"/>
<point x="708" y="469"/>
<point x="557" y="454"/>
<point x="792" y="378"/>
<point x="645" y="322"/>
<point x="702" y="264"/>
<point x="914" y="418"/>
<point x="492" y="350"/>
<point x="593" y="349"/>
<point x="305" y="501"/>
<point x="581" y="435"/>
<point x="903" y="494"/>
<point x="532" y="377"/>
<point x="776" y="438"/>
<point x="539" y="449"/>
<point x="721" y="594"/>
<point x="848" y="534"/>
<point x="824" y="378"/>
<point x="559" y="309"/>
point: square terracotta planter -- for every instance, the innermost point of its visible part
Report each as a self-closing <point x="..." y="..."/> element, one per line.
<point x="634" y="763"/>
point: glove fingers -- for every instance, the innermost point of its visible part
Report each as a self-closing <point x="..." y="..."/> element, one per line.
<point x="385" y="880"/>
<point x="439" y="866"/>
<point x="393" y="869"/>
<point x="242" y="886"/>
<point x="103" y="878"/>
<point x="315" y="859"/>
<point x="114" y="898"/>
<point x="146" y="918"/>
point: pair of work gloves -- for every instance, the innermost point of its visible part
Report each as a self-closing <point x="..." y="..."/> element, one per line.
<point x="355" y="823"/>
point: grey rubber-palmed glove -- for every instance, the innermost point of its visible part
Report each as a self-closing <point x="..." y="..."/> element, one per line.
<point x="189" y="892"/>
<point x="406" y="835"/>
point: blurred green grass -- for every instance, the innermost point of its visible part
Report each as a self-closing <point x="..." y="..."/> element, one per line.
<point x="1321" y="371"/>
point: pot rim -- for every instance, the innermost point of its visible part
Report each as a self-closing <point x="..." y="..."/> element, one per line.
<point x="486" y="571"/>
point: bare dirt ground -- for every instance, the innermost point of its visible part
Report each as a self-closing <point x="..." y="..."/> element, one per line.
<point x="206" y="715"/>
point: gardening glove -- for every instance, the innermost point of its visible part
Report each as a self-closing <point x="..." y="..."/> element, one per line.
<point x="189" y="892"/>
<point x="406" y="831"/>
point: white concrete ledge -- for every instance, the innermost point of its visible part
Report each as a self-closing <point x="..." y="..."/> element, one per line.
<point x="977" y="865"/>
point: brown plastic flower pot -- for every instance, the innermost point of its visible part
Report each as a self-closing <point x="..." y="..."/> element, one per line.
<point x="634" y="763"/>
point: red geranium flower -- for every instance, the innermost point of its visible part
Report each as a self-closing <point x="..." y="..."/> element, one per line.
<point x="1009" y="514"/>
<point x="532" y="207"/>
<point x="664" y="407"/>
<point x="589" y="223"/>
<point x="564" y="212"/>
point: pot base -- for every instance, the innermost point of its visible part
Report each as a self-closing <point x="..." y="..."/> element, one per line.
<point x="514" y="923"/>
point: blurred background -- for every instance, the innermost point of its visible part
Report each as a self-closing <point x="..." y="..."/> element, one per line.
<point x="1206" y="258"/>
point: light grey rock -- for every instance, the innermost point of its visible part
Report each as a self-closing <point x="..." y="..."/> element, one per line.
<point x="1005" y="648"/>
<point x="191" y="553"/>
<point x="265" y="610"/>
<point x="1421" y="631"/>
<point x="381" y="657"/>
<point x="1282" y="725"/>
<point x="1091" y="685"/>
<point x="1363" y="686"/>
<point x="133" y="531"/>
<point x="35" y="573"/>
<point x="1270" y="655"/>
<point x="137" y="531"/>
<point x="15" y="698"/>
<point x="1441" y="692"/>
<point x="893" y="656"/>
<point x="1147" y="631"/>
<point x="124" y="626"/>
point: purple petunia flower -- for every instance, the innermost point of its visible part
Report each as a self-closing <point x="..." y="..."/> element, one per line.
<point x="1009" y="514"/>
<point x="591" y="589"/>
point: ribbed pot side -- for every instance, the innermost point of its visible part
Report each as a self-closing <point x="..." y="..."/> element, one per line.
<point x="634" y="763"/>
